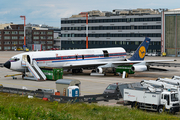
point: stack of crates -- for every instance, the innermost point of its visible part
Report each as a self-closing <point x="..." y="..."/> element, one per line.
<point x="52" y="73"/>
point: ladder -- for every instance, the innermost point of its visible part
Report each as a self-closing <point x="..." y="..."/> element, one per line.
<point x="38" y="75"/>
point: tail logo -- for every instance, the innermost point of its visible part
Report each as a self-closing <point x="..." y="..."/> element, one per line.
<point x="142" y="51"/>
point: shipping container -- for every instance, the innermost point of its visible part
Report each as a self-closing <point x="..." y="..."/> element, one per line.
<point x="52" y="73"/>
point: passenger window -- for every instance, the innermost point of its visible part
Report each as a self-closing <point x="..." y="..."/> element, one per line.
<point x="83" y="57"/>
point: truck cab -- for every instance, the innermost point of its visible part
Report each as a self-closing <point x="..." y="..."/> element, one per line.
<point x="170" y="101"/>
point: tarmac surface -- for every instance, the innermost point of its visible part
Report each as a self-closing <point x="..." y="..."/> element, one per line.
<point x="89" y="84"/>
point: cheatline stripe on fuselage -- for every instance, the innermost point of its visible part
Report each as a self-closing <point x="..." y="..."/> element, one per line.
<point x="79" y="57"/>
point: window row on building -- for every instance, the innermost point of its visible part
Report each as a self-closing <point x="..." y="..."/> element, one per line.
<point x="22" y="37"/>
<point x="13" y="42"/>
<point x="22" y="32"/>
<point x="12" y="32"/>
<point x="114" y="27"/>
<point x="22" y="42"/>
<point x="14" y="47"/>
<point x="112" y="20"/>
<point x="42" y="33"/>
<point x="43" y="42"/>
<point x="110" y="42"/>
<point x="115" y="35"/>
<point x="42" y="37"/>
<point x="12" y="37"/>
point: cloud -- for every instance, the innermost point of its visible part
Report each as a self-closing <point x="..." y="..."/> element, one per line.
<point x="50" y="12"/>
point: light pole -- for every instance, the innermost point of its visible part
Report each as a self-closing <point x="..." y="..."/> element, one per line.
<point x="24" y="17"/>
<point x="86" y="27"/>
<point x="87" y="30"/>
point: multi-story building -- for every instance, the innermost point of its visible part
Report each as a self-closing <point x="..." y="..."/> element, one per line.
<point x="12" y="36"/>
<point x="120" y="28"/>
<point x="171" y="32"/>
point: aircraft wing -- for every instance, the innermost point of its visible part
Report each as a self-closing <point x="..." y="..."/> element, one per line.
<point x="96" y="64"/>
<point x="155" y="61"/>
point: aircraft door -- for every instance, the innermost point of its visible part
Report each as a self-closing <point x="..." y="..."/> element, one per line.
<point x="26" y="58"/>
<point x="106" y="54"/>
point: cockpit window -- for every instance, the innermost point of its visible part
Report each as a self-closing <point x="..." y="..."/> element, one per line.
<point x="14" y="59"/>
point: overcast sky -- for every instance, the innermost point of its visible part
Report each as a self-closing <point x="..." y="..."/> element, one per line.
<point x="50" y="12"/>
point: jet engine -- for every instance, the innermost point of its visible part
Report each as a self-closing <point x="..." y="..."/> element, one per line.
<point x="140" y="67"/>
<point x="99" y="70"/>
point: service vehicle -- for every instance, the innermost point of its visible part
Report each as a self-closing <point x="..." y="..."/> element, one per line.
<point x="158" y="101"/>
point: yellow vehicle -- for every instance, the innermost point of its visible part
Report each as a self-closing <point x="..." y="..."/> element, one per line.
<point x="163" y="54"/>
<point x="19" y="49"/>
<point x="26" y="49"/>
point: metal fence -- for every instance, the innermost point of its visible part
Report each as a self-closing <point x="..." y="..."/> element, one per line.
<point x="87" y="98"/>
<point x="38" y="94"/>
<point x="62" y="99"/>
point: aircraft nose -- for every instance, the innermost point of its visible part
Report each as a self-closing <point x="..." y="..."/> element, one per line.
<point x="7" y="64"/>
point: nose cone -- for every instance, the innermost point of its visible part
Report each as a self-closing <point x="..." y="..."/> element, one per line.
<point x="7" y="64"/>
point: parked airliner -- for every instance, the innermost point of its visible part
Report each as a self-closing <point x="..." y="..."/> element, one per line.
<point x="101" y="59"/>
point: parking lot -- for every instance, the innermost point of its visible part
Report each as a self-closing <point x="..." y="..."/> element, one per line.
<point x="89" y="84"/>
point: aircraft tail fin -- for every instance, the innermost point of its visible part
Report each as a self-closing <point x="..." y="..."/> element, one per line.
<point x="141" y="50"/>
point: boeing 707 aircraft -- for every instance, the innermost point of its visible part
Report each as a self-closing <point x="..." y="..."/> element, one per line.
<point x="100" y="59"/>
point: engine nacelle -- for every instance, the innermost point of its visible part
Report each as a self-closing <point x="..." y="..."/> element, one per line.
<point x="99" y="70"/>
<point x="140" y="67"/>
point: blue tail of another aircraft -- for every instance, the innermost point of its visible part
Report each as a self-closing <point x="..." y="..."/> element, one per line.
<point x="141" y="51"/>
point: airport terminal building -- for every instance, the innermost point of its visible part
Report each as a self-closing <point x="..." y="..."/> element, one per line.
<point x="171" y="32"/>
<point x="120" y="28"/>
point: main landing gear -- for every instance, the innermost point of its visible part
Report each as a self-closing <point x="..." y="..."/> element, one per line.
<point x="77" y="70"/>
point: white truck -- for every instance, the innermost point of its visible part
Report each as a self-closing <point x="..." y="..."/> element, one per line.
<point x="158" y="101"/>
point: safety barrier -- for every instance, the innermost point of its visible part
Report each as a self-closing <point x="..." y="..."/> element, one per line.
<point x="62" y="99"/>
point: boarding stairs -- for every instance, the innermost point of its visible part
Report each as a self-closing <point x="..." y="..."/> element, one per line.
<point x="36" y="72"/>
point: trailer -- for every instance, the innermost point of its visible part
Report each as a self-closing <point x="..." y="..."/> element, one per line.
<point x="158" y="101"/>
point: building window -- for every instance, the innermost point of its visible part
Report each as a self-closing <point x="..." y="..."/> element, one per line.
<point x="36" y="42"/>
<point x="49" y="33"/>
<point x="36" y="33"/>
<point x="14" y="32"/>
<point x="0" y="47"/>
<point x="14" y="37"/>
<point x="43" y="37"/>
<point x="21" y="32"/>
<point x="49" y="42"/>
<point x="49" y="37"/>
<point x="14" y="42"/>
<point x="43" y="42"/>
<point x="7" y="32"/>
<point x="0" y="32"/>
<point x="49" y="47"/>
<point x="21" y="42"/>
<point x="7" y="48"/>
<point x="36" y="37"/>
<point x="0" y="42"/>
<point x="43" y="47"/>
<point x="43" y="33"/>
<point x="136" y="42"/>
<point x="7" y="42"/>
<point x="13" y="47"/>
<point x="7" y="37"/>
<point x="124" y="43"/>
<point x="0" y="37"/>
<point x="21" y="37"/>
